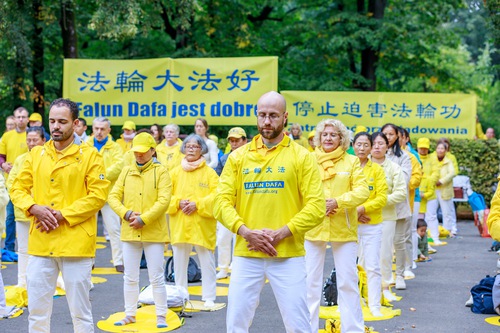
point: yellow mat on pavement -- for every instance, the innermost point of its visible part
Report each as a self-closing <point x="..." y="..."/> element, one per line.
<point x="146" y="322"/>
<point x="219" y="291"/>
<point x="493" y="320"/>
<point x="332" y="312"/>
<point x="105" y="271"/>
<point x="98" y="279"/>
<point x="100" y="246"/>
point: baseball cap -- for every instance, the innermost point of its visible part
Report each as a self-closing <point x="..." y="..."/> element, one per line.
<point x="311" y="134"/>
<point x="236" y="132"/>
<point x="423" y="143"/>
<point x="35" y="117"/>
<point x="360" y="128"/>
<point x="128" y="125"/>
<point x="143" y="142"/>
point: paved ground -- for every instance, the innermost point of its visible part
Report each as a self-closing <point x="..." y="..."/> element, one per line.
<point x="438" y="294"/>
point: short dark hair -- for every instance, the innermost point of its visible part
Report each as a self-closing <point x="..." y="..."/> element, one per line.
<point x="421" y="223"/>
<point x="364" y="134"/>
<point x="72" y="106"/>
<point x="83" y="121"/>
<point x="37" y="129"/>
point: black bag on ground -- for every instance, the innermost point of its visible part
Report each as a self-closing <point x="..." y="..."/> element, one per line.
<point x="330" y="289"/>
<point x="194" y="272"/>
<point x="482" y="296"/>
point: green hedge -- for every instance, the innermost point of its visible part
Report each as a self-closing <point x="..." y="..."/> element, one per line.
<point x="478" y="159"/>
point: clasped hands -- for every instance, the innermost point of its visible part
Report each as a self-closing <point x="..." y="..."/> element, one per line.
<point x="264" y="240"/>
<point x="134" y="221"/>
<point x="46" y="218"/>
<point x="187" y="207"/>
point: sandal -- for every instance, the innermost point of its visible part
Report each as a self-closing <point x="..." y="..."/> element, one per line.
<point x="125" y="321"/>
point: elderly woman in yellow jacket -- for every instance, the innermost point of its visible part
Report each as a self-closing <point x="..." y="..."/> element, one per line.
<point x="345" y="189"/>
<point x="191" y="217"/>
<point x="140" y="197"/>
<point x="444" y="194"/>
<point x="370" y="220"/>
<point x="396" y="193"/>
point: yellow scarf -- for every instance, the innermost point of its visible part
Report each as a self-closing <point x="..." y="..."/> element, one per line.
<point x="327" y="161"/>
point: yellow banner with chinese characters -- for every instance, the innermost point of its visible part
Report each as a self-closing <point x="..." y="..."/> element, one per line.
<point x="422" y="114"/>
<point x="224" y="91"/>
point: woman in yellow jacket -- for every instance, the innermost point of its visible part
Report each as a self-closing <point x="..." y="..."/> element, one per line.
<point x="396" y="193"/>
<point x="370" y="220"/>
<point x="35" y="136"/>
<point x="140" y="197"/>
<point x="444" y="194"/>
<point x="191" y="215"/>
<point x="345" y="188"/>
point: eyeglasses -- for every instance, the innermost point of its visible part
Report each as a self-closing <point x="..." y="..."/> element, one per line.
<point x="272" y="116"/>
<point x="192" y="147"/>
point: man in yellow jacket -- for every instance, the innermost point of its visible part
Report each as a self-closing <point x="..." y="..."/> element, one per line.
<point x="270" y="195"/>
<point x="61" y="187"/>
<point x="112" y="154"/>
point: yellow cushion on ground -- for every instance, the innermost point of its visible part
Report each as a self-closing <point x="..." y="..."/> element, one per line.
<point x="60" y="292"/>
<point x="101" y="239"/>
<point x="224" y="280"/>
<point x="100" y="246"/>
<point x="98" y="279"/>
<point x="146" y="322"/>
<point x="16" y="296"/>
<point x="105" y="271"/>
<point x="333" y="312"/>
<point x="493" y="320"/>
<point x="196" y="291"/>
<point x="200" y="306"/>
<point x="442" y="243"/>
<point x="3" y="267"/>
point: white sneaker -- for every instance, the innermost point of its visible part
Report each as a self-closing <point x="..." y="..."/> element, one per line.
<point x="408" y="275"/>
<point x="469" y="302"/>
<point x="437" y="242"/>
<point x="389" y="296"/>
<point x="222" y="274"/>
<point x="414" y="265"/>
<point x="209" y="304"/>
<point x="400" y="283"/>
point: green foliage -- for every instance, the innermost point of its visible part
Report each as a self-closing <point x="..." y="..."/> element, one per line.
<point x="478" y="159"/>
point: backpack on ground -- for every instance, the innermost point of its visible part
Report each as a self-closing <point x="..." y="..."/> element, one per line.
<point x="482" y="296"/>
<point x="330" y="289"/>
<point x="194" y="272"/>
<point x="176" y="296"/>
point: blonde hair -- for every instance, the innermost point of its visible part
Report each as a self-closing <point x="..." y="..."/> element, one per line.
<point x="336" y="124"/>
<point x="296" y="125"/>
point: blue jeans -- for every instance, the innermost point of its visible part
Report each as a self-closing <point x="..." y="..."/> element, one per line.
<point x="10" y="228"/>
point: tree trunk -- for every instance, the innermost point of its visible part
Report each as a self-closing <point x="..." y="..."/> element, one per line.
<point x="369" y="56"/>
<point x="68" y="29"/>
<point x="38" y="65"/>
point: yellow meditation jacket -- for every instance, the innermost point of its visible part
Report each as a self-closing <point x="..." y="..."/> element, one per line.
<point x="270" y="188"/>
<point x="146" y="190"/>
<point x="199" y="186"/>
<point x="494" y="217"/>
<point x="375" y="178"/>
<point x="74" y="182"/>
<point x="345" y="182"/>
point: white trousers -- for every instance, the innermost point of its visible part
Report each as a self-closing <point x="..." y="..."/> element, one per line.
<point x="224" y="248"/>
<point x="414" y="235"/>
<point x="344" y="255"/>
<point x="207" y="265"/>
<point x="404" y="230"/>
<point x="386" y="251"/>
<point x="112" y="222"/>
<point x="22" y="233"/>
<point x="449" y="215"/>
<point x="132" y="253"/>
<point x="287" y="277"/>
<point x="2" y="292"/>
<point x="431" y="218"/>
<point x="42" y="277"/>
<point x="370" y="240"/>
